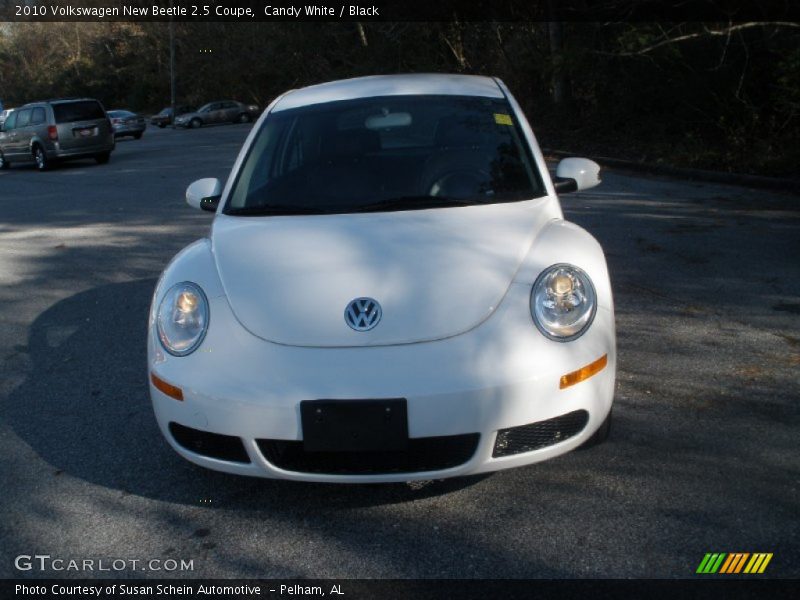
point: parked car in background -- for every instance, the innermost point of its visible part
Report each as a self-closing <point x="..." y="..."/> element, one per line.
<point x="4" y="115"/>
<point x="126" y="123"/>
<point x="226" y="111"/>
<point x="54" y="130"/>
<point x="164" y="118"/>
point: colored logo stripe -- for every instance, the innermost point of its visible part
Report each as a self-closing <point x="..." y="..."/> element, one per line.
<point x="758" y="563"/>
<point x="734" y="562"/>
<point x="710" y="563"/>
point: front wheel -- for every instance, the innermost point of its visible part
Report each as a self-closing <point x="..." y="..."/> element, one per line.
<point x="195" y="123"/>
<point x="40" y="157"/>
<point x="102" y="158"/>
<point x="137" y="136"/>
<point x="162" y="125"/>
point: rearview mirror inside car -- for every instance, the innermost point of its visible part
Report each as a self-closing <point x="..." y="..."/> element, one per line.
<point x="388" y="120"/>
<point x="204" y="194"/>
<point x="573" y="174"/>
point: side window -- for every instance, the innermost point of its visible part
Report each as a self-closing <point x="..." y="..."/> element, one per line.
<point x="24" y="118"/>
<point x="37" y="116"/>
<point x="11" y="121"/>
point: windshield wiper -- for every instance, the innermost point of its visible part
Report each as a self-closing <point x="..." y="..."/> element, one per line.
<point x="400" y="203"/>
<point x="411" y="202"/>
<point x="267" y="210"/>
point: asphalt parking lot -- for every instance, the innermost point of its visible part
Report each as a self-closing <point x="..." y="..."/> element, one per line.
<point x="703" y="454"/>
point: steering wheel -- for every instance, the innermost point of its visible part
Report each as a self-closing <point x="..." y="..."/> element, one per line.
<point x="460" y="183"/>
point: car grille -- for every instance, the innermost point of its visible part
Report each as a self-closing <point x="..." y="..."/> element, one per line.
<point x="541" y="434"/>
<point x="422" y="454"/>
<point x="212" y="445"/>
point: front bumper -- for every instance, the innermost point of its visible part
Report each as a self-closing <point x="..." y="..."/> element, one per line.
<point x="503" y="374"/>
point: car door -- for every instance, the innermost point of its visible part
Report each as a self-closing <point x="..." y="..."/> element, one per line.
<point x="17" y="138"/>
<point x="231" y="111"/>
<point x="7" y="134"/>
<point x="217" y="114"/>
<point x="37" y="128"/>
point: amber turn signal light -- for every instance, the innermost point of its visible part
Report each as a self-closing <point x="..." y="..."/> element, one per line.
<point x="584" y="372"/>
<point x="169" y="389"/>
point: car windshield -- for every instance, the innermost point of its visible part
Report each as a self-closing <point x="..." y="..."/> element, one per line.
<point x="116" y="114"/>
<point x="386" y="153"/>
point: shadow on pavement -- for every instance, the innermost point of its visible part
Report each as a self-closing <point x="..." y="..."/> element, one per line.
<point x="85" y="409"/>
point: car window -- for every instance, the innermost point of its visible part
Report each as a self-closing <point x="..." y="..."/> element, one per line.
<point x="344" y="156"/>
<point x="82" y="110"/>
<point x="11" y="121"/>
<point x="230" y="105"/>
<point x="37" y="116"/>
<point x="24" y="118"/>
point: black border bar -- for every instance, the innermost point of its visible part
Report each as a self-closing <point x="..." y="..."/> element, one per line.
<point x="712" y="588"/>
<point x="403" y="10"/>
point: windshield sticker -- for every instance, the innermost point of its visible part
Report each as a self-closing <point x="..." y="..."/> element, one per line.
<point x="502" y="119"/>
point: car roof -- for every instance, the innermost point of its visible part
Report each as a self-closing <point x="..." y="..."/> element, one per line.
<point x="391" y="85"/>
<point x="59" y="101"/>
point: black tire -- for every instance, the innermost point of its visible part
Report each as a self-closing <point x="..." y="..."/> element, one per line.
<point x="40" y="158"/>
<point x="4" y="164"/>
<point x="243" y="118"/>
<point x="162" y="125"/>
<point x="137" y="136"/>
<point x="601" y="435"/>
<point x="195" y="123"/>
<point x="102" y="158"/>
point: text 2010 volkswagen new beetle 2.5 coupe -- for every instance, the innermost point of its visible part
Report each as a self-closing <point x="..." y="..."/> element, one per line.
<point x="389" y="292"/>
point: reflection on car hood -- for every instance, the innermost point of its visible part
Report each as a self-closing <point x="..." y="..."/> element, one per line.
<point x="436" y="273"/>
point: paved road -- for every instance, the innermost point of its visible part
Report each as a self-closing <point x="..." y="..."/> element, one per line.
<point x="703" y="455"/>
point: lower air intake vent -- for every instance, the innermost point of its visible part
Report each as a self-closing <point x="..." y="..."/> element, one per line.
<point x="212" y="445"/>
<point x="422" y="454"/>
<point x="541" y="434"/>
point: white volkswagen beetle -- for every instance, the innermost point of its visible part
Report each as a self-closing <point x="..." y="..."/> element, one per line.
<point x="389" y="292"/>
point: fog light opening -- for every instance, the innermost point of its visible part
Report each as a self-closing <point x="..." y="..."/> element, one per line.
<point x="584" y="373"/>
<point x="166" y="388"/>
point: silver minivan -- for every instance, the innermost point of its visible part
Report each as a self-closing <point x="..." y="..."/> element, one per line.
<point x="56" y="130"/>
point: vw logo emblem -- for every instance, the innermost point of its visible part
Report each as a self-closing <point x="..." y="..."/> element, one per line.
<point x="362" y="314"/>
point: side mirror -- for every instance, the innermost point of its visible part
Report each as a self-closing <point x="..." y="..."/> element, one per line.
<point x="573" y="174"/>
<point x="204" y="194"/>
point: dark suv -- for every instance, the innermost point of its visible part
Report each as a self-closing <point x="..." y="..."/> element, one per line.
<point x="55" y="130"/>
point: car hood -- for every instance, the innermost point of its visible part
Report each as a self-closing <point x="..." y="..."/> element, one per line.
<point x="436" y="273"/>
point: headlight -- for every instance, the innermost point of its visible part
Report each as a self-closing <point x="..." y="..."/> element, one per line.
<point x="563" y="302"/>
<point x="182" y="319"/>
